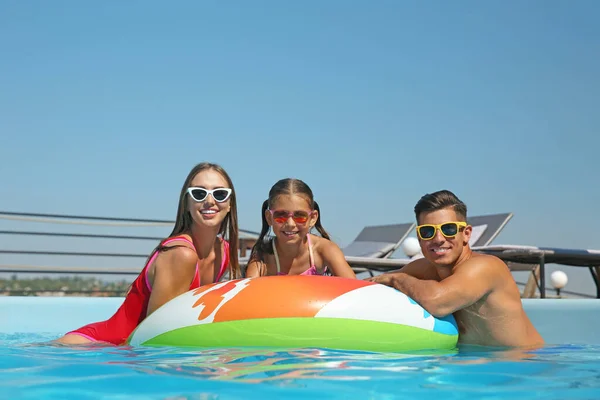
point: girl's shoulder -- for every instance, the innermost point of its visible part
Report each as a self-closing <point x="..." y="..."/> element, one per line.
<point x="320" y="243"/>
<point x="261" y="267"/>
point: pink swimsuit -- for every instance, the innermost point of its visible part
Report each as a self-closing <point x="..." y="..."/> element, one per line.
<point x="311" y="271"/>
<point x="117" y="328"/>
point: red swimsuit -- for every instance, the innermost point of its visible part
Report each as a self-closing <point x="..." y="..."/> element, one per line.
<point x="117" y="328"/>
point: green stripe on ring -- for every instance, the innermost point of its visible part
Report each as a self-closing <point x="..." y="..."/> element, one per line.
<point x="332" y="333"/>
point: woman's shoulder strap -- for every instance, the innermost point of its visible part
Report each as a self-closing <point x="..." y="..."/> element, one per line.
<point x="178" y="238"/>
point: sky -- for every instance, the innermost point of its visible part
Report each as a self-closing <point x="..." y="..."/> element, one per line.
<point x="106" y="106"/>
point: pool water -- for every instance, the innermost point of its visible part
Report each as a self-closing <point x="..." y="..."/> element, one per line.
<point x="32" y="369"/>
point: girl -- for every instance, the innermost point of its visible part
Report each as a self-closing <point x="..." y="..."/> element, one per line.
<point x="292" y="212"/>
<point x="192" y="255"/>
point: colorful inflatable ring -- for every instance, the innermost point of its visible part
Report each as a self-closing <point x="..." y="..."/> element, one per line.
<point x="296" y="312"/>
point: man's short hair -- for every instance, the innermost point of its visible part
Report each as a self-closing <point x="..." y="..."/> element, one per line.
<point x="440" y="200"/>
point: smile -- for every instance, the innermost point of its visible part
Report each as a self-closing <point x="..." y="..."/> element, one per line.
<point x="440" y="250"/>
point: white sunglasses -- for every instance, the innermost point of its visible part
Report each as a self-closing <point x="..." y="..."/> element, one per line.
<point x="200" y="194"/>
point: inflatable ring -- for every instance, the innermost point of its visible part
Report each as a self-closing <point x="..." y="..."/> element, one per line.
<point x="296" y="312"/>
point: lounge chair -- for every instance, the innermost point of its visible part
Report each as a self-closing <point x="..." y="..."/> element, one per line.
<point x="487" y="227"/>
<point x="535" y="259"/>
<point x="379" y="241"/>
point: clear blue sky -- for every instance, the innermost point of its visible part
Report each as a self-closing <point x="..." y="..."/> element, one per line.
<point x="104" y="108"/>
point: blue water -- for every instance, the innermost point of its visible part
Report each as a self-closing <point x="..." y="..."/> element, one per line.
<point x="29" y="370"/>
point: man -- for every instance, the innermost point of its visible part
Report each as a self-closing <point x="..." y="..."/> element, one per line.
<point x="477" y="288"/>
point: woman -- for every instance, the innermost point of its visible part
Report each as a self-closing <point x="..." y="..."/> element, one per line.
<point x="194" y="254"/>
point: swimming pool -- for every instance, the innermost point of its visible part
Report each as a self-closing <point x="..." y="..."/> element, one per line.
<point x="568" y="367"/>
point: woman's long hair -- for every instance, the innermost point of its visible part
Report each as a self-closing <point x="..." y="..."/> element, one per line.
<point x="229" y="229"/>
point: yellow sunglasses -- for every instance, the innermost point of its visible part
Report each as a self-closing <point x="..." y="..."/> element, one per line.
<point x="448" y="229"/>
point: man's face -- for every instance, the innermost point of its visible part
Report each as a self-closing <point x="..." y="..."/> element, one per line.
<point x="443" y="243"/>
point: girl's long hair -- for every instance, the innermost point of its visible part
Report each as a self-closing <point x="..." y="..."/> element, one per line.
<point x="287" y="186"/>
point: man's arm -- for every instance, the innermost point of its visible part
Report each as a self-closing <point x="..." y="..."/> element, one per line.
<point x="420" y="269"/>
<point x="467" y="285"/>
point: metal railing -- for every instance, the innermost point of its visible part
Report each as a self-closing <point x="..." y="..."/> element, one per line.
<point x="107" y="221"/>
<point x="359" y="264"/>
<point x="246" y="237"/>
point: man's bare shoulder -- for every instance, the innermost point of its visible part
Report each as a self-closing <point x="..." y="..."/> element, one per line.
<point x="420" y="268"/>
<point x="484" y="263"/>
<point x="420" y="263"/>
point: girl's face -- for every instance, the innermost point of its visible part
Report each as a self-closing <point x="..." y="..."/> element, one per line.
<point x="291" y="218"/>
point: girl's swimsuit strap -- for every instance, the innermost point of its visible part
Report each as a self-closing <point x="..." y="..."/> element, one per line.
<point x="310" y="255"/>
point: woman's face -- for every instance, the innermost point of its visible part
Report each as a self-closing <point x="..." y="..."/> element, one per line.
<point x="209" y="198"/>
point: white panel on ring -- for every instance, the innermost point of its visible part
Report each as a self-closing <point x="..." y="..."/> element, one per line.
<point x="179" y="313"/>
<point x="392" y="306"/>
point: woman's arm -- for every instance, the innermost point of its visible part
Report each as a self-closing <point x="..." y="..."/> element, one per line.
<point x="173" y="273"/>
<point x="334" y="258"/>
